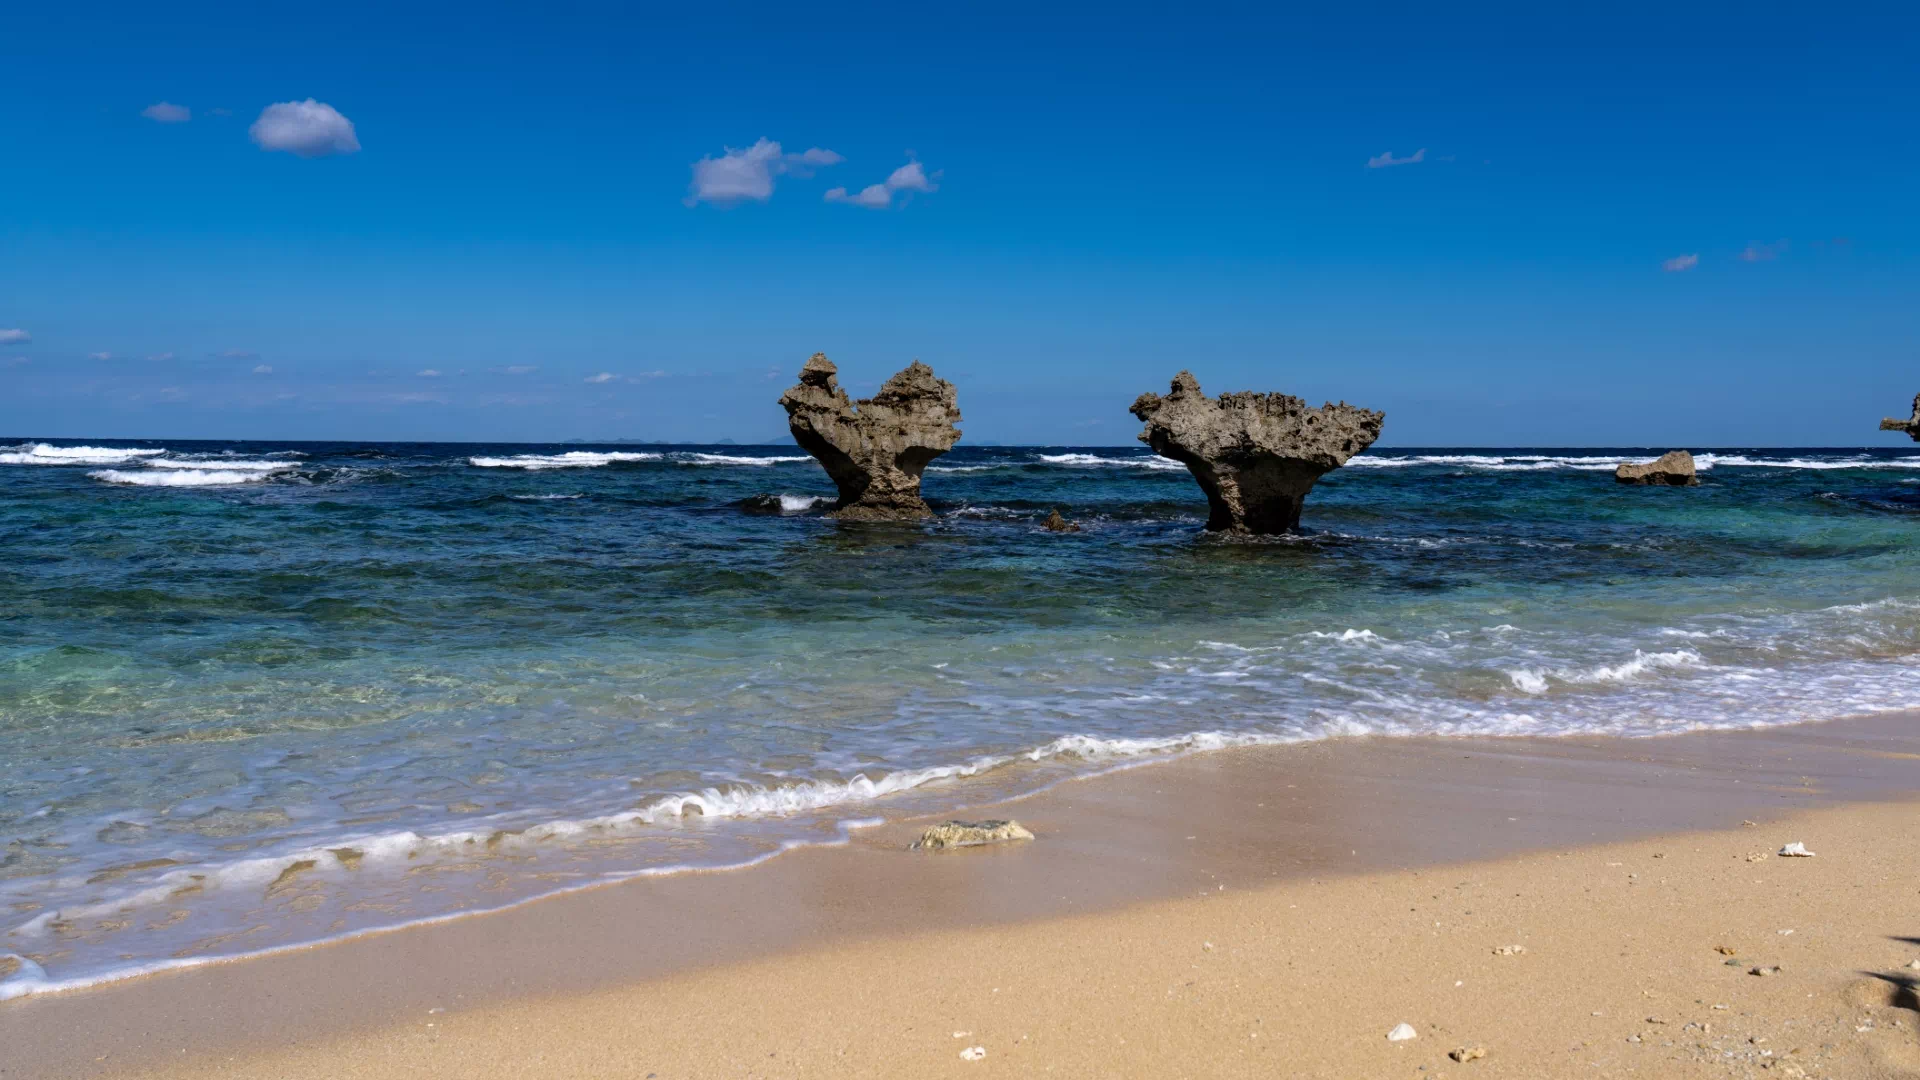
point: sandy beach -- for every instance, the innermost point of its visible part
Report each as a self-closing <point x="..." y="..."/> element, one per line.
<point x="1570" y="907"/>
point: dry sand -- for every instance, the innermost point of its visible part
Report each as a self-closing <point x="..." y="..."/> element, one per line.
<point x="1120" y="945"/>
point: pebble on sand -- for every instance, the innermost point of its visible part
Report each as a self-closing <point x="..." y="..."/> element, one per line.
<point x="1797" y="850"/>
<point x="955" y="834"/>
<point x="973" y="1053"/>
<point x="1401" y="1033"/>
<point x="1772" y="969"/>
<point x="1467" y="1053"/>
<point x="1510" y="950"/>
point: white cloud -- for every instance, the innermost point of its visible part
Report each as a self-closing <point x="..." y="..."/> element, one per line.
<point x="1763" y="252"/>
<point x="1680" y="262"/>
<point x="99" y="356"/>
<point x="742" y="175"/>
<point x="166" y="112"/>
<point x="875" y="196"/>
<point x="14" y="337"/>
<point x="160" y="357"/>
<point x="1387" y="159"/>
<point x="911" y="177"/>
<point x="522" y="369"/>
<point x="305" y="129"/>
<point x="428" y="373"/>
<point x="262" y="369"/>
<point x="605" y="376"/>
<point x="908" y="177"/>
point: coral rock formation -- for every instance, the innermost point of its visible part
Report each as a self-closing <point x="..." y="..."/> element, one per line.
<point x="1255" y="455"/>
<point x="1911" y="426"/>
<point x="874" y="449"/>
<point x="955" y="834"/>
<point x="1673" y="468"/>
<point x="1056" y="523"/>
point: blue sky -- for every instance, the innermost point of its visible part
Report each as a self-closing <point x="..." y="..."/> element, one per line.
<point x="506" y="198"/>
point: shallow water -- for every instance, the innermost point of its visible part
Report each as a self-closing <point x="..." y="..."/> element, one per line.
<point x="254" y="695"/>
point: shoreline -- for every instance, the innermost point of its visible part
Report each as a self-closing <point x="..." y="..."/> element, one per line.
<point x="1109" y="844"/>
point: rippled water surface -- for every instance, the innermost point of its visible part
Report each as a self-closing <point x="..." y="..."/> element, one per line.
<point x="253" y="695"/>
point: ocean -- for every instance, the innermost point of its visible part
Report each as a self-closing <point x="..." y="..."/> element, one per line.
<point x="259" y="695"/>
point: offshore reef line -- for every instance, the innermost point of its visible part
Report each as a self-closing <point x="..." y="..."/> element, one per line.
<point x="1256" y="456"/>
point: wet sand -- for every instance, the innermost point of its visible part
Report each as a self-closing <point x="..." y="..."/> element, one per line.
<point x="1343" y="886"/>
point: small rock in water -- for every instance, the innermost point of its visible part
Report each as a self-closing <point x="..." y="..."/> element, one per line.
<point x="954" y="834"/>
<point x="1797" y="850"/>
<point x="973" y="1053"/>
<point x="1510" y="950"/>
<point x="1467" y="1053"/>
<point x="1401" y="1033"/>
<point x="1056" y="523"/>
<point x="1674" y="468"/>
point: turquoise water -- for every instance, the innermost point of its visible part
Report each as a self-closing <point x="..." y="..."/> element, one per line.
<point x="256" y="695"/>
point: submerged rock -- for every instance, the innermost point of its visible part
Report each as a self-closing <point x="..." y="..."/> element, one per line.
<point x="1910" y="425"/>
<point x="1056" y="523"/>
<point x="953" y="834"/>
<point x="1255" y="455"/>
<point x="1673" y="468"/>
<point x="874" y="449"/>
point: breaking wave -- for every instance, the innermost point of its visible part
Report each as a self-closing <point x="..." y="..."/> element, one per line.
<point x="48" y="454"/>
<point x="180" y="476"/>
<point x="572" y="459"/>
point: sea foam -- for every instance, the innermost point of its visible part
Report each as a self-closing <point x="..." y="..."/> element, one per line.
<point x="47" y="454"/>
<point x="572" y="459"/>
<point x="178" y="476"/>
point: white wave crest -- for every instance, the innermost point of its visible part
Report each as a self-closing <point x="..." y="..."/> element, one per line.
<point x="794" y="504"/>
<point x="541" y="498"/>
<point x="181" y="477"/>
<point x="48" y="454"/>
<point x="1130" y="461"/>
<point x="222" y="464"/>
<point x="572" y="459"/>
<point x="1535" y="680"/>
<point x="735" y="459"/>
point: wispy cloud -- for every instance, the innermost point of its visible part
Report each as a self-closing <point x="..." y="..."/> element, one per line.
<point x="1763" y="252"/>
<point x="908" y="177"/>
<point x="521" y="369"/>
<point x="873" y="196"/>
<point x="428" y="373"/>
<point x="603" y="377"/>
<point x="166" y="112"/>
<point x="305" y="129"/>
<point x="741" y="175"/>
<point x="1680" y="262"/>
<point x="239" y="354"/>
<point x="1387" y="159"/>
<point x="262" y="369"/>
<point x="15" y="336"/>
<point x="160" y="358"/>
<point x="99" y="356"/>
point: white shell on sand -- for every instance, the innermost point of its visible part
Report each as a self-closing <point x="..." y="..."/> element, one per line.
<point x="973" y="1053"/>
<point x="1797" y="848"/>
<point x="1401" y="1033"/>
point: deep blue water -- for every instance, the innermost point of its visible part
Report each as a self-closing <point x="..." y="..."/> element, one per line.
<point x="255" y="694"/>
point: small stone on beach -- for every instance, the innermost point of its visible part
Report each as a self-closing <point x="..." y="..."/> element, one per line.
<point x="1467" y="1053"/>
<point x="1401" y="1033"/>
<point x="1796" y="850"/>
<point x="973" y="1053"/>
<point x="954" y="834"/>
<point x="1773" y="969"/>
<point x="1510" y="950"/>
